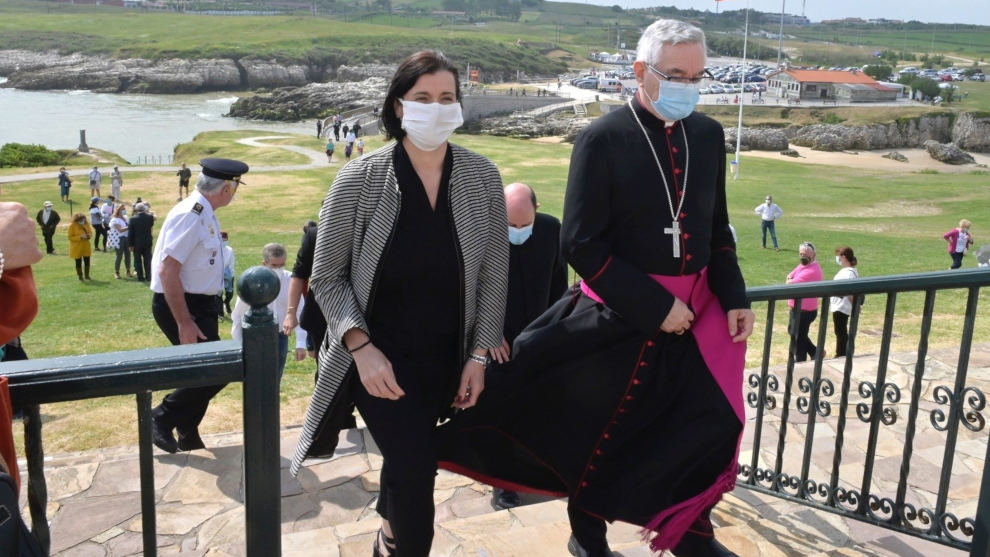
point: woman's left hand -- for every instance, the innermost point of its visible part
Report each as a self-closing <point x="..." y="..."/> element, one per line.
<point x="472" y="383"/>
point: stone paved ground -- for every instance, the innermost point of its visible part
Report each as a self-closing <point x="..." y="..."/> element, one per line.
<point x="328" y="510"/>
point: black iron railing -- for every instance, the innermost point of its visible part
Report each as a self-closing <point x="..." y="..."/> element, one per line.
<point x="851" y="489"/>
<point x="139" y="372"/>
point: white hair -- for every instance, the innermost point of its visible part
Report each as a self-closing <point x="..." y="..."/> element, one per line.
<point x="666" y="31"/>
<point x="208" y="184"/>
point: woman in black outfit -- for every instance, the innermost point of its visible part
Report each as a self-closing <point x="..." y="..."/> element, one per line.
<point x="410" y="269"/>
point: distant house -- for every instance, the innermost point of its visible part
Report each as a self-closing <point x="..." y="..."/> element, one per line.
<point x="852" y="86"/>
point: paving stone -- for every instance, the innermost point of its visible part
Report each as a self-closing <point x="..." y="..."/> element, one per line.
<point x="297" y="507"/>
<point x="332" y="473"/>
<point x="444" y="543"/>
<point x="474" y="526"/>
<point x="542" y="513"/>
<point x="358" y="546"/>
<point x="69" y="480"/>
<point x="132" y="543"/>
<point x="124" y="476"/>
<point x="471" y="505"/>
<point x="357" y="528"/>
<point x="450" y="480"/>
<point x="551" y="538"/>
<point x="374" y="453"/>
<point x="619" y="533"/>
<point x="209" y="476"/>
<point x="337" y="505"/>
<point x="289" y="484"/>
<point x="103" y="537"/>
<point x="319" y="542"/>
<point x="179" y="519"/>
<point x="81" y="519"/>
<point x="370" y="480"/>
<point x="229" y="550"/>
<point x="86" y="549"/>
<point x="224" y="528"/>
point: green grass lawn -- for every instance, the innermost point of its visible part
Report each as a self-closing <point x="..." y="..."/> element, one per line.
<point x="894" y="222"/>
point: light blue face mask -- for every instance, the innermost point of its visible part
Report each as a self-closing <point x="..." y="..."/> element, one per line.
<point x="518" y="236"/>
<point x="675" y="101"/>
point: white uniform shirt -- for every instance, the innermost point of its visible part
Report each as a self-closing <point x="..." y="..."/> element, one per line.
<point x="279" y="308"/>
<point x="191" y="236"/>
<point x="769" y="212"/>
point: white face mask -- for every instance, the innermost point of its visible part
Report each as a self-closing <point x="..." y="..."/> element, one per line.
<point x="429" y="125"/>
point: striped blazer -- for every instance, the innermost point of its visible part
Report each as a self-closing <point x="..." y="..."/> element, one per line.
<point x="356" y="221"/>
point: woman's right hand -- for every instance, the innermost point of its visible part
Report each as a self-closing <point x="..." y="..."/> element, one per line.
<point x="376" y="373"/>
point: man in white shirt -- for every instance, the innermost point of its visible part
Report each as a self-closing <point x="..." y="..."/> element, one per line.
<point x="95" y="178"/>
<point x="273" y="256"/>
<point x="769" y="212"/>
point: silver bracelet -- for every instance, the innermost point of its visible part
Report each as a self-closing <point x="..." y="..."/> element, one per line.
<point x="483" y="360"/>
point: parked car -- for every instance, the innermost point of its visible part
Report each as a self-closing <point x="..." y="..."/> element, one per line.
<point x="587" y="84"/>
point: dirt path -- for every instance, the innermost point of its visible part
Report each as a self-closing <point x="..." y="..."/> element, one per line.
<point x="918" y="160"/>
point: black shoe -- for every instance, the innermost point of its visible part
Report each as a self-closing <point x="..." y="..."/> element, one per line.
<point x="697" y="545"/>
<point x="575" y="549"/>
<point x="162" y="436"/>
<point x="503" y="499"/>
<point x="387" y="542"/>
<point x="190" y="440"/>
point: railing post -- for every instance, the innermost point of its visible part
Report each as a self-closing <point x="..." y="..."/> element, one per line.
<point x="149" y="528"/>
<point x="37" y="487"/>
<point x="258" y="286"/>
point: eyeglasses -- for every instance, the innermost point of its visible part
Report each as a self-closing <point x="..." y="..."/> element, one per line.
<point x="691" y="80"/>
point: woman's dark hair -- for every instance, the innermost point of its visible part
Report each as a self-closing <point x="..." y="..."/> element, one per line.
<point x="847" y="252"/>
<point x="410" y="70"/>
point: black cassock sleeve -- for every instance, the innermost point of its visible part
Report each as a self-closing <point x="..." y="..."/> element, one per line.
<point x="724" y="276"/>
<point x="588" y="211"/>
<point x="558" y="278"/>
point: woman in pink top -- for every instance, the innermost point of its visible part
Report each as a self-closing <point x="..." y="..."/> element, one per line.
<point x="807" y="271"/>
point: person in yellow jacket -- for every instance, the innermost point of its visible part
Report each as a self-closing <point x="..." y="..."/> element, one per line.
<point x="80" y="232"/>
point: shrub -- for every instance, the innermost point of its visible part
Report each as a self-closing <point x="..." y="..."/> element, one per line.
<point x="23" y="155"/>
<point x="832" y="118"/>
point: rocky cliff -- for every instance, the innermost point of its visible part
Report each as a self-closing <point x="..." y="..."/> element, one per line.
<point x="312" y="100"/>
<point x="51" y="70"/>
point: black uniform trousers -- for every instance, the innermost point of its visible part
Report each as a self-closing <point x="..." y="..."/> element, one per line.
<point x="48" y="233"/>
<point x="99" y="230"/>
<point x="185" y="407"/>
<point x="805" y="348"/>
<point x="142" y="262"/>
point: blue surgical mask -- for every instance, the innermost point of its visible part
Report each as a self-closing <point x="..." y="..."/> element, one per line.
<point x="675" y="101"/>
<point x="518" y="236"/>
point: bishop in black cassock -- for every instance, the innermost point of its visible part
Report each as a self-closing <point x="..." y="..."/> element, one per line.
<point x="629" y="417"/>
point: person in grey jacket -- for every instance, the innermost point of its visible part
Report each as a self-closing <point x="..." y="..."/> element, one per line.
<point x="410" y="268"/>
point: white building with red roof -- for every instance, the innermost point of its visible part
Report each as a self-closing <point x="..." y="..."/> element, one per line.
<point x="819" y="85"/>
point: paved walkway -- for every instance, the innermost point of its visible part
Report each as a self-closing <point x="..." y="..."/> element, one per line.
<point x="328" y="510"/>
<point x="317" y="160"/>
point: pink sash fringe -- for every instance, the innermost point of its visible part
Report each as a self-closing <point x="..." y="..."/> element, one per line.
<point x="725" y="360"/>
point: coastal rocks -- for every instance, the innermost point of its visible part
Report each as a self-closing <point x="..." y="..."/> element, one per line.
<point x="790" y="153"/>
<point x="948" y="153"/>
<point x="523" y="126"/>
<point x="49" y="70"/>
<point x="895" y="156"/>
<point x="310" y="101"/>
<point x="364" y="71"/>
<point x="905" y="133"/>
<point x="972" y="132"/>
<point x="758" y="139"/>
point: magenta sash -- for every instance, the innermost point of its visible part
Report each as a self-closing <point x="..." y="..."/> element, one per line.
<point x="725" y="360"/>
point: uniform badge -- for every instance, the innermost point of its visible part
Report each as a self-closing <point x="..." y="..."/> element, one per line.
<point x="198" y="209"/>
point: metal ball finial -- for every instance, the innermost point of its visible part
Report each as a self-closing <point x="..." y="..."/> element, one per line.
<point x="258" y="286"/>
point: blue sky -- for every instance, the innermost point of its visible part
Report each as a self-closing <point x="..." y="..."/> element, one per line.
<point x="942" y="11"/>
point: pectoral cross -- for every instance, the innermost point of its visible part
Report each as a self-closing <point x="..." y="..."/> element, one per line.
<point x="675" y="237"/>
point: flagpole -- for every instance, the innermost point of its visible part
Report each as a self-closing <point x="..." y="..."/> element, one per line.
<point x="742" y="93"/>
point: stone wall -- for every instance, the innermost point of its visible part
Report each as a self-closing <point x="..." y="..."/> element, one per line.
<point x="477" y="107"/>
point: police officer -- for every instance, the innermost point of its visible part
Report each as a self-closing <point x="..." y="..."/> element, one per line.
<point x="187" y="279"/>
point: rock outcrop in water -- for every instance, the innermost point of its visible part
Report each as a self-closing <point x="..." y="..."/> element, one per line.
<point x="311" y="101"/>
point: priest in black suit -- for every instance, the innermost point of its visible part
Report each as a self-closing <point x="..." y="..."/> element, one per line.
<point x="48" y="220"/>
<point x="537" y="278"/>
<point x="627" y="394"/>
<point x="140" y="240"/>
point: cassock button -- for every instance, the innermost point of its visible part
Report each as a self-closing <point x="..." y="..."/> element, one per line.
<point x="606" y="436"/>
<point x="677" y="171"/>
<point x="629" y="397"/>
<point x="687" y="236"/>
<point x="670" y="130"/>
<point x="622" y="410"/>
<point x="683" y="215"/>
<point x="642" y="364"/>
<point x="687" y="257"/>
<point x="650" y="343"/>
<point x="674" y="149"/>
<point x="636" y="381"/>
<point x="592" y="467"/>
<point x="598" y="452"/>
<point x="584" y="484"/>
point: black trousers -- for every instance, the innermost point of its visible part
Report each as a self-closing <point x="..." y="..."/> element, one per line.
<point x="49" y="246"/>
<point x="185" y="407"/>
<point x="805" y="348"/>
<point x="957" y="259"/>
<point x="405" y="431"/>
<point x="142" y="262"/>
<point x="840" y="324"/>
<point x="99" y="230"/>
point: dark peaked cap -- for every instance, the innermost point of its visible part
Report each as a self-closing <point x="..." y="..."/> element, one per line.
<point x="224" y="169"/>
